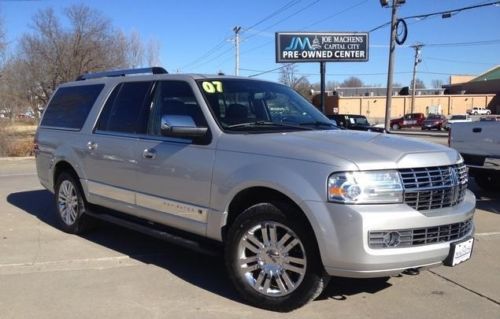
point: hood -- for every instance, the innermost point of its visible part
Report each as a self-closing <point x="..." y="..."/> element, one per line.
<point x="349" y="150"/>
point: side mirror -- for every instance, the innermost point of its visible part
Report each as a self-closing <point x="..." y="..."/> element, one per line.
<point x="181" y="126"/>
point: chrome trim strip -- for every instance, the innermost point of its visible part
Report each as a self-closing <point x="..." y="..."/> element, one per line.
<point x="187" y="211"/>
<point x="111" y="192"/>
<point x="191" y="212"/>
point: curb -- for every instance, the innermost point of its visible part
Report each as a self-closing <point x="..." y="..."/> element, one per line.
<point x="21" y="158"/>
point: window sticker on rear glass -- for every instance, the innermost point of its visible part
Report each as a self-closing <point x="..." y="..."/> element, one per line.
<point x="212" y="86"/>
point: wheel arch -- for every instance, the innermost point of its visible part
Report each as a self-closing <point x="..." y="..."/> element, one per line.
<point x="259" y="194"/>
<point x="63" y="166"/>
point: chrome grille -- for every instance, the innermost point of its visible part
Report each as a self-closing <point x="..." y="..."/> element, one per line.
<point x="430" y="188"/>
<point x="421" y="236"/>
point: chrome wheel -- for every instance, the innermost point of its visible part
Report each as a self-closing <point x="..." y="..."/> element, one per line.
<point x="272" y="259"/>
<point x="67" y="201"/>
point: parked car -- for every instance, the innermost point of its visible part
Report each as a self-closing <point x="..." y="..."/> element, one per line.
<point x="478" y="143"/>
<point x="434" y="121"/>
<point x="457" y="118"/>
<point x="478" y="110"/>
<point x="354" y="122"/>
<point x="409" y="120"/>
<point x="252" y="169"/>
<point x="493" y="118"/>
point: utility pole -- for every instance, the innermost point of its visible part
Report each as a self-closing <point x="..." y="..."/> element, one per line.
<point x="237" y="45"/>
<point x="417" y="48"/>
<point x="392" y="51"/>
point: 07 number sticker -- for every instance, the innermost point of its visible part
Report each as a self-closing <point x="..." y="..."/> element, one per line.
<point x="212" y="86"/>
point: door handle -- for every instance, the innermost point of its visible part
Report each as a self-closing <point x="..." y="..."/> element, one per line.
<point x="149" y="153"/>
<point x="477" y="130"/>
<point x="91" y="145"/>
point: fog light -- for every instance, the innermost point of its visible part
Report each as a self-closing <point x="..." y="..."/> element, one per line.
<point x="392" y="239"/>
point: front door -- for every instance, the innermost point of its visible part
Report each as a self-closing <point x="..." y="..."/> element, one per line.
<point x="174" y="174"/>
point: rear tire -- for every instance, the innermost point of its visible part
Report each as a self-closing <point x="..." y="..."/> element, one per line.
<point x="395" y="126"/>
<point x="272" y="258"/>
<point x="71" y="205"/>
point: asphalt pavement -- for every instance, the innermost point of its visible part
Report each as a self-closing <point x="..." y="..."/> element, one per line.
<point x="116" y="273"/>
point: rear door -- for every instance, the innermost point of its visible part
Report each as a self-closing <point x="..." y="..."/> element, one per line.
<point x="111" y="159"/>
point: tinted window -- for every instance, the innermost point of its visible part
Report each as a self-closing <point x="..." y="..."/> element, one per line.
<point x="70" y="106"/>
<point x="125" y="108"/>
<point x="174" y="98"/>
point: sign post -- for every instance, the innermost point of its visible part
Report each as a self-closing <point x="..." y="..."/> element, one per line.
<point x="293" y="47"/>
<point x="322" y="66"/>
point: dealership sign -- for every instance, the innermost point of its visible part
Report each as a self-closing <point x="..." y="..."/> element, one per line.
<point x="321" y="47"/>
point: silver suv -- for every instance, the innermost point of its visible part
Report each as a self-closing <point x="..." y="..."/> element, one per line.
<point x="253" y="166"/>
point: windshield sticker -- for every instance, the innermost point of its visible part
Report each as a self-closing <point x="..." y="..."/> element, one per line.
<point x="212" y="87"/>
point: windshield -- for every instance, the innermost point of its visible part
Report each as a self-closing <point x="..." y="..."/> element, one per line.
<point x="458" y="117"/>
<point x="258" y="106"/>
<point x="359" y="120"/>
<point x="434" y="117"/>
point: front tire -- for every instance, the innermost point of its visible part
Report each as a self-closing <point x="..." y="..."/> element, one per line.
<point x="487" y="181"/>
<point x="272" y="258"/>
<point x="395" y="126"/>
<point x="71" y="205"/>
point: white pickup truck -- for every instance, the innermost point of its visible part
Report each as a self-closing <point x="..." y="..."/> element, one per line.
<point x="479" y="144"/>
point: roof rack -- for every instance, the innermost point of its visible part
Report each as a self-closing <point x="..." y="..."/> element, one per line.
<point x="115" y="73"/>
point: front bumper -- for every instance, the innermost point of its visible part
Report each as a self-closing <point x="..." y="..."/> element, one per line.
<point x="342" y="232"/>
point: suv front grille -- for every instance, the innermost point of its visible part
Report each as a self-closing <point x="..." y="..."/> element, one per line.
<point x="434" y="187"/>
<point x="419" y="236"/>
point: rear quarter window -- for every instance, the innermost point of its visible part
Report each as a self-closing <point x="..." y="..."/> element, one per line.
<point x="70" y="106"/>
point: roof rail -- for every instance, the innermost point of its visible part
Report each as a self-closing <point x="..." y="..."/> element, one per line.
<point x="115" y="73"/>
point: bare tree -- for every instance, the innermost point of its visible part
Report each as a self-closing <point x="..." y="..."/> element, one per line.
<point x="3" y="41"/>
<point x="135" y="50"/>
<point x="352" y="82"/>
<point x="289" y="77"/>
<point x="332" y="85"/>
<point x="53" y="54"/>
<point x="153" y="53"/>
<point x="15" y="90"/>
<point x="419" y="84"/>
<point x="437" y="83"/>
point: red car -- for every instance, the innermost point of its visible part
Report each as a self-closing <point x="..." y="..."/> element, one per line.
<point x="434" y="121"/>
<point x="409" y="120"/>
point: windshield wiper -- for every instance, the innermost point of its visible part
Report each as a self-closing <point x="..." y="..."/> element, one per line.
<point x="267" y="123"/>
<point x="318" y="123"/>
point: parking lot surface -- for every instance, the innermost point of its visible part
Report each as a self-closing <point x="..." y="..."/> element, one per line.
<point x="116" y="273"/>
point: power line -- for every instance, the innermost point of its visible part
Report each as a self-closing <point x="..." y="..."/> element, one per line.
<point x="464" y="44"/>
<point x="276" y="12"/>
<point x="207" y="54"/>
<point x="310" y="4"/>
<point x="459" y="61"/>
<point x="274" y="71"/>
<point x="451" y="11"/>
<point x="310" y="25"/>
<point x="336" y="14"/>
<point x="221" y="44"/>
<point x="268" y="71"/>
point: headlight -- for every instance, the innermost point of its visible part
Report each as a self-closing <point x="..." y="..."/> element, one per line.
<point x="370" y="187"/>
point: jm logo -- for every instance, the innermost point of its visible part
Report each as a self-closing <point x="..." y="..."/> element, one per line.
<point x="298" y="43"/>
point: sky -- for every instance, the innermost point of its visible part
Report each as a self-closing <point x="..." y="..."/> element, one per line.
<point x="196" y="36"/>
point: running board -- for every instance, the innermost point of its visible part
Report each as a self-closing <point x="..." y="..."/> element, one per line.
<point x="156" y="233"/>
